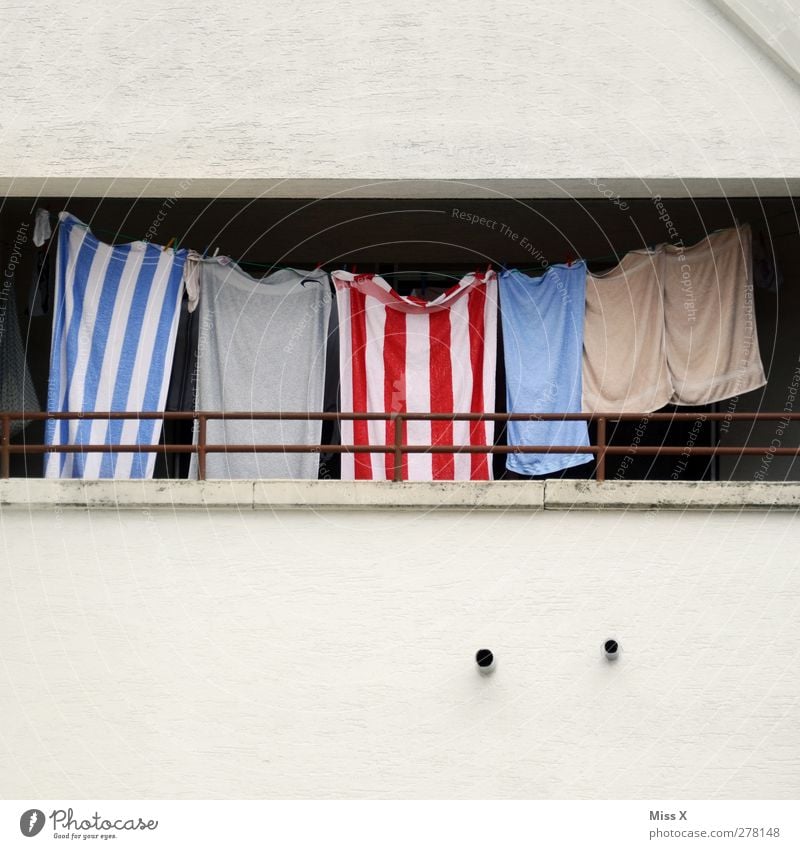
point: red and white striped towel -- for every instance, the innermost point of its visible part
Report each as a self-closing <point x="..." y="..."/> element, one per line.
<point x="402" y="354"/>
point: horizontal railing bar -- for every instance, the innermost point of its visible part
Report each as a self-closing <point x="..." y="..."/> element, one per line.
<point x="702" y="450"/>
<point x="193" y="449"/>
<point x="388" y="417"/>
<point x="180" y="415"/>
<point x="647" y="450"/>
<point x="590" y="417"/>
<point x="644" y="450"/>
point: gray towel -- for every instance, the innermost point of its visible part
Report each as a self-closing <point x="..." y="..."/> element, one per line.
<point x="261" y="347"/>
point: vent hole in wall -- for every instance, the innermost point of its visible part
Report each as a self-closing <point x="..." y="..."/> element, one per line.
<point x="484" y="658"/>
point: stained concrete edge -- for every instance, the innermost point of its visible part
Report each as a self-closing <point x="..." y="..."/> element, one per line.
<point x="37" y="492"/>
<point x="379" y="495"/>
<point x="497" y="495"/>
<point x="670" y="495"/>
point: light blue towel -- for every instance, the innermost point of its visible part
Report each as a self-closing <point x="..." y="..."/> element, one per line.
<point x="543" y="343"/>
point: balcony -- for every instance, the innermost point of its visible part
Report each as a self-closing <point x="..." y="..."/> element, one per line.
<point x="598" y="491"/>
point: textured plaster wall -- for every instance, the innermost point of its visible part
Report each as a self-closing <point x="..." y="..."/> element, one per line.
<point x="213" y="653"/>
<point x="469" y="90"/>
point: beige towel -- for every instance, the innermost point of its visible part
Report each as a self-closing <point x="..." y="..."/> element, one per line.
<point x="711" y="339"/>
<point x="624" y="358"/>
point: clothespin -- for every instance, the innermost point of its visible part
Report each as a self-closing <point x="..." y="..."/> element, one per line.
<point x="569" y="261"/>
<point x="169" y="244"/>
<point x="318" y="266"/>
<point x="216" y="251"/>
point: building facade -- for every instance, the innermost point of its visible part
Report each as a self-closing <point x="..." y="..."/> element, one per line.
<point x="243" y="639"/>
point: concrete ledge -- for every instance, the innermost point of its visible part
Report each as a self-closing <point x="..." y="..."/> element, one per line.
<point x="382" y="495"/>
<point x="273" y="494"/>
<point x="670" y="495"/>
<point x="498" y="495"/>
<point x="36" y="492"/>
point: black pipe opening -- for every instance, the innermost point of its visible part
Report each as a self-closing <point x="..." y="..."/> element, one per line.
<point x="484" y="658"/>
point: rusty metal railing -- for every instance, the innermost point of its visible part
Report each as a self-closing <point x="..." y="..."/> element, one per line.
<point x="398" y="448"/>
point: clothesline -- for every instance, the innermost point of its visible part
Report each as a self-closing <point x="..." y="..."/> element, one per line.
<point x="456" y="274"/>
<point x="272" y="266"/>
<point x="612" y="258"/>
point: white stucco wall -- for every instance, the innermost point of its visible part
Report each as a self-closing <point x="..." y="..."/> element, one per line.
<point x="244" y="653"/>
<point x="252" y="95"/>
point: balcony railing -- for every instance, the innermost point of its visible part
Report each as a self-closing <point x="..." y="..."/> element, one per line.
<point x="398" y="449"/>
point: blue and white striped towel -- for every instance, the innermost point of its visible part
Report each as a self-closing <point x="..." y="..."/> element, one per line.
<point x="114" y="329"/>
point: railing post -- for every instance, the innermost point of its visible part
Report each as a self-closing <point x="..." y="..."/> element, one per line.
<point x="601" y="450"/>
<point x="398" y="446"/>
<point x="201" y="448"/>
<point x="5" y="442"/>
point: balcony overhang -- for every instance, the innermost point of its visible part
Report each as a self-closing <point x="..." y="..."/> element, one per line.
<point x="497" y="189"/>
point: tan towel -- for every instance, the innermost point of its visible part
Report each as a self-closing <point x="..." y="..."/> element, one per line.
<point x="711" y="339"/>
<point x="624" y="359"/>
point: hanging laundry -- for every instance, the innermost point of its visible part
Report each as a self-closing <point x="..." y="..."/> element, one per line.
<point x="401" y="354"/>
<point x="17" y="393"/>
<point x="766" y="272"/>
<point x="182" y="386"/>
<point x="41" y="227"/>
<point x="182" y="389"/>
<point x="116" y="317"/>
<point x="711" y="338"/>
<point x="624" y="358"/>
<point x="41" y="290"/>
<point x="262" y="347"/>
<point x="543" y="344"/>
<point x="330" y="462"/>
